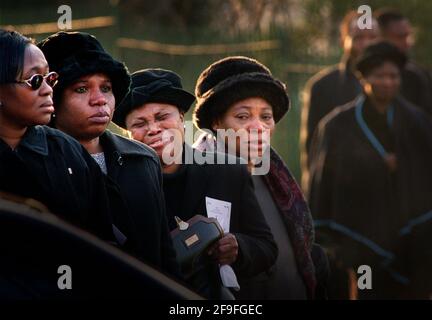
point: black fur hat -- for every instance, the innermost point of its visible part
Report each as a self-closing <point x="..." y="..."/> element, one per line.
<point x="76" y="54"/>
<point x="232" y="79"/>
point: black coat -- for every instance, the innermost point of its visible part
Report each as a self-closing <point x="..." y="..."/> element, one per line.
<point x="328" y="89"/>
<point x="55" y="169"/>
<point x="136" y="170"/>
<point x="337" y="86"/>
<point x="352" y="186"/>
<point x="231" y="183"/>
<point x="417" y="86"/>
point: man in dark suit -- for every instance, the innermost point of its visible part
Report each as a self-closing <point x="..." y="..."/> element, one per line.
<point x="154" y="113"/>
<point x="416" y="80"/>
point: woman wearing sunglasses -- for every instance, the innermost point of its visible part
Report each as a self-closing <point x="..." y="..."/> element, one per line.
<point x="39" y="162"/>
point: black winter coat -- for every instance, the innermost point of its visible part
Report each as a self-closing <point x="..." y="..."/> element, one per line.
<point x="366" y="211"/>
<point x="135" y="169"/>
<point x="337" y="85"/>
<point x="231" y="183"/>
<point x="55" y="169"/>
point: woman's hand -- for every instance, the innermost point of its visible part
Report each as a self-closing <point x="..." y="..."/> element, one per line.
<point x="225" y="251"/>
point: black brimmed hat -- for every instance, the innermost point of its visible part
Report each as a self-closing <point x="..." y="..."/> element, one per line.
<point x="153" y="85"/>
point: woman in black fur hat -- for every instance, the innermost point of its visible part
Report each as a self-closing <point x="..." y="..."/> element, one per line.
<point x="92" y="83"/>
<point x="240" y="94"/>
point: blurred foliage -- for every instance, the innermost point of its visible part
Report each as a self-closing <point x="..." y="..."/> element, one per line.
<point x="306" y="30"/>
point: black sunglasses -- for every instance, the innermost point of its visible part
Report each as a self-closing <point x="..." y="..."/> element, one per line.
<point x="35" y="81"/>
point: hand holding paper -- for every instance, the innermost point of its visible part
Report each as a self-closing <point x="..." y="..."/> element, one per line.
<point x="225" y="250"/>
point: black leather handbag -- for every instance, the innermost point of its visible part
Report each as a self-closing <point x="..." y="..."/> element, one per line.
<point x="192" y="239"/>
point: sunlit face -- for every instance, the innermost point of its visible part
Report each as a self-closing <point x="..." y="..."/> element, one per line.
<point x="383" y="82"/>
<point x="358" y="39"/>
<point x="253" y="119"/>
<point x="22" y="105"/>
<point x="400" y="34"/>
<point x="155" y="124"/>
<point x="86" y="107"/>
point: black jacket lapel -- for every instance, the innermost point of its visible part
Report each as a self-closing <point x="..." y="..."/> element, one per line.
<point x="196" y="188"/>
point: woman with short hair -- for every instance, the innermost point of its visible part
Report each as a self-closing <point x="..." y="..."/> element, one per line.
<point x="37" y="161"/>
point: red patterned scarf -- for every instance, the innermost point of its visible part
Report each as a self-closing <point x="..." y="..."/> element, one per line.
<point x="291" y="204"/>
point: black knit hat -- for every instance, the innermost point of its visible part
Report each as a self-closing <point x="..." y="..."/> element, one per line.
<point x="232" y="79"/>
<point x="76" y="54"/>
<point x="378" y="53"/>
<point x="153" y="85"/>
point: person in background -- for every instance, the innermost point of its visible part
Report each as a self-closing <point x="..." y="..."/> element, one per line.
<point x="416" y="80"/>
<point x="334" y="86"/>
<point x="91" y="84"/>
<point x="154" y="113"/>
<point x="370" y="180"/>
